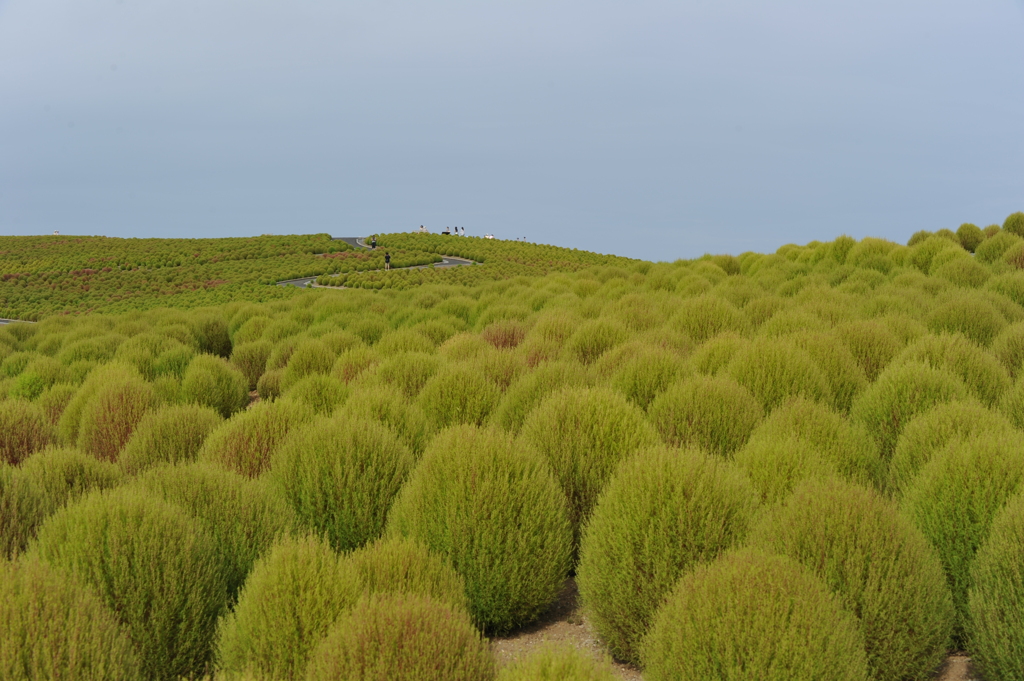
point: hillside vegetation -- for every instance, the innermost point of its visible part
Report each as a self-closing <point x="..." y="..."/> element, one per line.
<point x="804" y="464"/>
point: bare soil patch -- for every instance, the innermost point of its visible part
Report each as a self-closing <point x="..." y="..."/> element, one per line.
<point x="564" y="623"/>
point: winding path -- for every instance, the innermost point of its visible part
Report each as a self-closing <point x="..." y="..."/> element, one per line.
<point x="359" y="242"/>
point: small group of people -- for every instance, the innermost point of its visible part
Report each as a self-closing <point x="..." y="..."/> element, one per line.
<point x="456" y="232"/>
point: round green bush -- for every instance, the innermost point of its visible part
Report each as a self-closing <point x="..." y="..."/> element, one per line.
<point x="496" y="512"/>
<point x="243" y="516"/>
<point x="845" y="376"/>
<point x="899" y="394"/>
<point x="211" y="332"/>
<point x="530" y="389"/>
<point x="971" y="315"/>
<point x="593" y="338"/>
<point x="400" y="565"/>
<point x="996" y="597"/>
<point x="647" y="375"/>
<point x="295" y="592"/>
<point x="773" y="370"/>
<point x="153" y="565"/>
<point x="970" y="236"/>
<point x="251" y="359"/>
<point x="340" y="476"/>
<point x="992" y="249"/>
<point x="320" y="394"/>
<point x="707" y="316"/>
<point x="929" y="433"/>
<point x="54" y="400"/>
<point x="168" y="435"/>
<point x="404" y="637"/>
<point x="964" y="272"/>
<point x="877" y="563"/>
<point x="954" y="499"/>
<point x="386" y="405"/>
<point x="311" y="356"/>
<point x="711" y="357"/>
<point x="872" y="343"/>
<point x="52" y="627"/>
<point x="558" y="663"/>
<point x="212" y="382"/>
<point x="1014" y="224"/>
<point x="408" y="371"/>
<point x="403" y="341"/>
<point x="114" y="403"/>
<point x="246" y="441"/>
<point x="978" y="369"/>
<point x="715" y="414"/>
<point x="458" y="395"/>
<point x="753" y="615"/>
<point x="1008" y="347"/>
<point x="663" y="512"/>
<point x="24" y="429"/>
<point x="803" y="439"/>
<point x="43" y="483"/>
<point x="269" y="385"/>
<point x="353" y="362"/>
<point x="584" y="433"/>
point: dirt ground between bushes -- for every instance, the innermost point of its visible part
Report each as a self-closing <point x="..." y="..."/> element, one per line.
<point x="564" y="623"/>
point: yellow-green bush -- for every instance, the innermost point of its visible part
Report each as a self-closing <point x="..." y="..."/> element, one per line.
<point x="397" y="565"/>
<point x="970" y="236"/>
<point x="24" y="429"/>
<point x="877" y="563"/>
<point x="458" y="395"/>
<point x="584" y="433"/>
<point x="340" y="475"/>
<point x="320" y="394"/>
<point x="104" y="413"/>
<point x="295" y="592"/>
<point x="898" y="395"/>
<point x="386" y="405"/>
<point x="663" y="512"/>
<point x="529" y="390"/>
<point x="54" y="400"/>
<point x="496" y="512"/>
<point x="872" y="343"/>
<point x="1008" y="347"/>
<point x="929" y="433"/>
<point x="244" y="517"/>
<point x="152" y="565"/>
<point x="558" y="663"/>
<point x="714" y="414"/>
<point x="707" y="316"/>
<point x="405" y="637"/>
<point x="954" y="499"/>
<point x="971" y="315"/>
<point x="268" y="387"/>
<point x="753" y="615"/>
<point x="845" y="376"/>
<point x="245" y="442"/>
<point x="978" y="369"/>
<point x="52" y="627"/>
<point x="168" y="435"/>
<point x="773" y="370"/>
<point x="996" y="597"/>
<point x="310" y="356"/>
<point x="647" y="374"/>
<point x="593" y="338"/>
<point x="408" y="371"/>
<point x="251" y="359"/>
<point x="212" y="382"/>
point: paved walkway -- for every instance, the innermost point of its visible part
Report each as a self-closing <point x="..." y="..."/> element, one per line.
<point x="14" y="321"/>
<point x="360" y="242"/>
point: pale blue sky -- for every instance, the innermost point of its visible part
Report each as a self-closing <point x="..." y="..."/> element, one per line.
<point x="651" y="129"/>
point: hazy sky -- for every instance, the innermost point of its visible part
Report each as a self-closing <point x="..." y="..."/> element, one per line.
<point x="655" y="129"/>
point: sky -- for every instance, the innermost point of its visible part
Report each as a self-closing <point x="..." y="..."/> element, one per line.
<point x="651" y="129"/>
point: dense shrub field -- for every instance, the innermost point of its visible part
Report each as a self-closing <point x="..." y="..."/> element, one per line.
<point x="807" y="464"/>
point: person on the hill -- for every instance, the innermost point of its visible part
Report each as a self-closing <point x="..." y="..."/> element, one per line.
<point x="373" y="242"/>
<point x="446" y="232"/>
<point x="463" y="231"/>
<point x="387" y="261"/>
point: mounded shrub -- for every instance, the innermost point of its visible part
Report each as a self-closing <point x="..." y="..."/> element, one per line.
<point x="504" y="334"/>
<point x="311" y="356"/>
<point x="930" y="433"/>
<point x="496" y="512"/>
<point x="877" y="563"/>
<point x="593" y="338"/>
<point x="584" y="433"/>
<point x="753" y="614"/>
<point x="211" y="332"/>
<point x="663" y="512"/>
<point x="773" y="370"/>
<point x="1008" y="347"/>
<point x="169" y="435"/>
<point x="996" y="597"/>
<point x="530" y="389"/>
<point x="246" y="441"/>
<point x="351" y="363"/>
<point x="340" y="476"/>
<point x="714" y="355"/>
<point x="715" y="414"/>
<point x="978" y="370"/>
<point x="251" y="360"/>
<point x="558" y="663"/>
<point x="409" y="371"/>
<point x="964" y="271"/>
<point x="106" y="411"/>
<point x="43" y="483"/>
<point x="295" y="592"/>
<point x="405" y="637"/>
<point x="24" y="429"/>
<point x="845" y="376"/>
<point x="898" y="395"/>
<point x="243" y="516"/>
<point x="872" y="343"/>
<point x="648" y="374"/>
<point x="397" y="565"/>
<point x="52" y="627"/>
<point x="971" y="315"/>
<point x="269" y="385"/>
<point x="458" y="395"/>
<point x="707" y="316"/>
<point x="970" y="236"/>
<point x="153" y="565"/>
<point x="403" y="341"/>
<point x="1014" y="224"/>
<point x="386" y="405"/>
<point x="54" y="400"/>
<point x="320" y="394"/>
<point x="954" y="499"/>
<point x="212" y="382"/>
